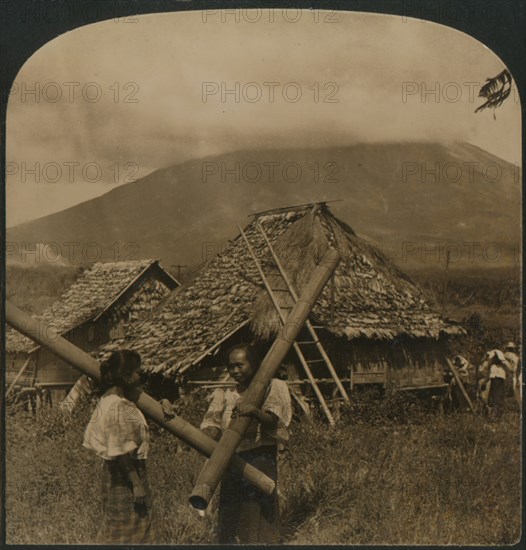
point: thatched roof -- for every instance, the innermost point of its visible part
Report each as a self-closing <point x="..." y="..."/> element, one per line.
<point x="371" y="297"/>
<point x="94" y="292"/>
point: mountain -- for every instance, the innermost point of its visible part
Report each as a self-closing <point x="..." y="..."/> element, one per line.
<point x="406" y="198"/>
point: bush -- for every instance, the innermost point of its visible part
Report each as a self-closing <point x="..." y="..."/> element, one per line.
<point x="376" y="407"/>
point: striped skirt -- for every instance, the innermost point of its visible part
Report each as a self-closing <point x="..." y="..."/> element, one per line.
<point x="246" y="515"/>
<point x="123" y="521"/>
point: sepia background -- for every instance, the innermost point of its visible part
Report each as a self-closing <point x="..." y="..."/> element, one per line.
<point x="154" y="137"/>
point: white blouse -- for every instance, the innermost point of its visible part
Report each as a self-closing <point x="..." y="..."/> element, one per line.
<point x="277" y="401"/>
<point x="117" y="427"/>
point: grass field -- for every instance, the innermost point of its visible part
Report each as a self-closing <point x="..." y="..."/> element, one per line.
<point x="392" y="472"/>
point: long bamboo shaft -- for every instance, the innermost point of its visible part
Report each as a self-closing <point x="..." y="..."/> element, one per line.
<point x="216" y="465"/>
<point x="283" y="318"/>
<point x="313" y="333"/>
<point x="48" y="338"/>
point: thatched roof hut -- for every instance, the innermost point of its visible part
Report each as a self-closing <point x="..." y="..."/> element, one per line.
<point x="97" y="307"/>
<point x="370" y="298"/>
<point x="102" y="287"/>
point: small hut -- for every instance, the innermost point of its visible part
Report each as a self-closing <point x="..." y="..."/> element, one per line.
<point x="95" y="309"/>
<point x="376" y="324"/>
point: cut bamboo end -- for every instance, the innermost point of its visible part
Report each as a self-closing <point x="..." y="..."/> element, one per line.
<point x="201" y="495"/>
<point x="198" y="502"/>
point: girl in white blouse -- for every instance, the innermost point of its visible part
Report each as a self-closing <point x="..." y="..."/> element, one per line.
<point x="118" y="433"/>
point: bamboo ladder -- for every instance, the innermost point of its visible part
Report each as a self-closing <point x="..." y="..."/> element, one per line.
<point x="288" y="288"/>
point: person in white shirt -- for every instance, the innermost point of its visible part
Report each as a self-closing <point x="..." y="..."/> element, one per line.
<point x="118" y="434"/>
<point x="496" y="371"/>
<point x="245" y="515"/>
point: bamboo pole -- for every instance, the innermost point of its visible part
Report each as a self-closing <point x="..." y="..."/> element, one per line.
<point x="283" y="317"/>
<point x="460" y="385"/>
<point x="215" y="467"/>
<point x="19" y="374"/>
<point x="310" y="328"/>
<point x="47" y="337"/>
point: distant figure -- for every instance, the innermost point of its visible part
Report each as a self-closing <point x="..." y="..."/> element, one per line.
<point x="510" y="352"/>
<point x="467" y="376"/>
<point x="118" y="433"/>
<point x="494" y="372"/>
<point x="245" y="514"/>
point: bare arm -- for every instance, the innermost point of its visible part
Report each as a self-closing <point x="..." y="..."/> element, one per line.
<point x="267" y="419"/>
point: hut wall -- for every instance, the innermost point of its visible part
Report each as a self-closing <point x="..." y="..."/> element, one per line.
<point x="400" y="363"/>
<point x="138" y="300"/>
<point x="404" y="362"/>
<point x="14" y="362"/>
<point x="419" y="362"/>
<point x="52" y="371"/>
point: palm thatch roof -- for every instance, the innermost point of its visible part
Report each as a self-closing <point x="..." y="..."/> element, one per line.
<point x="370" y="296"/>
<point x="94" y="292"/>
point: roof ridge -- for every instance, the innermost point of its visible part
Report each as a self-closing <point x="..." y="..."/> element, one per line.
<point x="124" y="262"/>
<point x="292" y="208"/>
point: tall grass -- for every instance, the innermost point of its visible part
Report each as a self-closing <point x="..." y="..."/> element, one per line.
<point x="393" y="473"/>
<point x="447" y="480"/>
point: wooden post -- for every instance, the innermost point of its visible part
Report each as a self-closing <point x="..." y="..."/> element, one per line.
<point x="444" y="297"/>
<point x="19" y="374"/>
<point x="47" y="337"/>
<point x="332" y="299"/>
<point x="215" y="467"/>
<point x="460" y="384"/>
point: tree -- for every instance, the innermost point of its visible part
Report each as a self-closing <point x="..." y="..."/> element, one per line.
<point x="495" y="91"/>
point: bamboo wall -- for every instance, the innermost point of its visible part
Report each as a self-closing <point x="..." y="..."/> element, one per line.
<point x="404" y="362"/>
<point x="401" y="363"/>
<point x="14" y="362"/>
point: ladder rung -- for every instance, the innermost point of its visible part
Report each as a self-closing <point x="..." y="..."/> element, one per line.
<point x="316" y="361"/>
<point x="317" y="326"/>
<point x="286" y="307"/>
<point x="308" y="342"/>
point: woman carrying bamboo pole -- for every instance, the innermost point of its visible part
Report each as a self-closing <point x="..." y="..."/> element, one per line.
<point x="246" y="515"/>
<point x="118" y="433"/>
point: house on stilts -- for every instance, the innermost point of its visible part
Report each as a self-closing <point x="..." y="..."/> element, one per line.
<point x="375" y="323"/>
<point x="95" y="309"/>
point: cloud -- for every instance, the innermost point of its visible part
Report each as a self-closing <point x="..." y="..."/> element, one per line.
<point x="150" y="77"/>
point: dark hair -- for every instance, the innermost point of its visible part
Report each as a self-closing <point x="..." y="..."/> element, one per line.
<point x="117" y="369"/>
<point x="251" y="353"/>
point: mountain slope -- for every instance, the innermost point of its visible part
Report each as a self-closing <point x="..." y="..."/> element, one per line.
<point x="398" y="195"/>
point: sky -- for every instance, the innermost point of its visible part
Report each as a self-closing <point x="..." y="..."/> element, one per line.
<point x="116" y="100"/>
